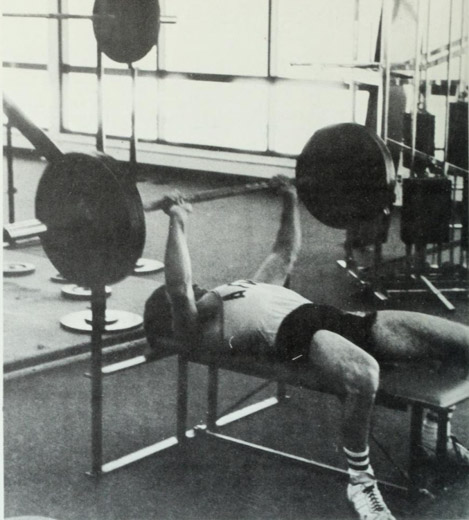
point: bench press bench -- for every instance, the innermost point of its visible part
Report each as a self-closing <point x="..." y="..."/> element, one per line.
<point x="405" y="388"/>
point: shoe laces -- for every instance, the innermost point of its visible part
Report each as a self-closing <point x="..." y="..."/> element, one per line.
<point x="374" y="497"/>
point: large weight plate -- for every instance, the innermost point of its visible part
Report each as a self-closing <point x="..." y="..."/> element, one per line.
<point x="116" y="321"/>
<point x="18" y="269"/>
<point x="131" y="30"/>
<point x="75" y="292"/>
<point x="345" y="174"/>
<point x="94" y="218"/>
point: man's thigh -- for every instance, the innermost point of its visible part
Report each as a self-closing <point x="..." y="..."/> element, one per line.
<point x="405" y="335"/>
<point x="335" y="364"/>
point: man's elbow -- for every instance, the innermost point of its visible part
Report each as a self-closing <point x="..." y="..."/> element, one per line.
<point x="179" y="292"/>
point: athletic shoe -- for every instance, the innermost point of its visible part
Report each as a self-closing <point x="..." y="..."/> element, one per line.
<point x="367" y="501"/>
<point x="457" y="453"/>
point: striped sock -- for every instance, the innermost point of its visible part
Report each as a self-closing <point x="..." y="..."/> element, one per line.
<point x="358" y="462"/>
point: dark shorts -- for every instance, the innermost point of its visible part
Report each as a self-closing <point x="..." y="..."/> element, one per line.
<point x="298" y="328"/>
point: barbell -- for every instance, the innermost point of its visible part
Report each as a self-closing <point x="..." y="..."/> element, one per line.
<point x="93" y="216"/>
<point x="344" y="174"/>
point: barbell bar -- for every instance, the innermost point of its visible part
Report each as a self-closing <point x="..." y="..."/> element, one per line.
<point x="344" y="174"/>
<point x="164" y="19"/>
<point x="57" y="16"/>
<point x="94" y="217"/>
<point x="215" y="194"/>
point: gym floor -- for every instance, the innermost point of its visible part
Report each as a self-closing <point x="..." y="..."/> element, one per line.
<point x="47" y="407"/>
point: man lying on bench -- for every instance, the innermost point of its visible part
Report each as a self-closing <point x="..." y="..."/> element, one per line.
<point x="340" y="350"/>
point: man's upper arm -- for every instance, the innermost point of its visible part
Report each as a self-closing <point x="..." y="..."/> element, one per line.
<point x="274" y="270"/>
<point x="185" y="315"/>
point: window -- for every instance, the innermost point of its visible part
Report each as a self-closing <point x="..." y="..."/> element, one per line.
<point x="217" y="37"/>
<point x="230" y="74"/>
<point x="230" y="115"/>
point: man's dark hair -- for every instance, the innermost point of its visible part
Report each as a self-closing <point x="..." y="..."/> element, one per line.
<point x="157" y="316"/>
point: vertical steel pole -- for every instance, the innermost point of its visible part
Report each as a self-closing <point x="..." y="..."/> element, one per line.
<point x="463" y="54"/>
<point x="181" y="425"/>
<point x="447" y="119"/>
<point x="158" y="52"/>
<point x="54" y="71"/>
<point x="442" y="436"/>
<point x="379" y="57"/>
<point x="353" y="85"/>
<point x="386" y="65"/>
<point x="98" y="313"/>
<point x="10" y="173"/>
<point x="427" y="54"/>
<point x="416" y="420"/>
<point x="462" y="93"/>
<point x="100" y="134"/>
<point x="448" y="77"/>
<point x="133" y="117"/>
<point x="416" y="98"/>
<point x="270" y="100"/>
<point x="212" y="397"/>
<point x="62" y="7"/>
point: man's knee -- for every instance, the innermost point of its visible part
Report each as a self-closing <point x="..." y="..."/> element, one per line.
<point x="363" y="377"/>
<point x="347" y="368"/>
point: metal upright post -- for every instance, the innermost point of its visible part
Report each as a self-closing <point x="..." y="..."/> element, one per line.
<point x="427" y="54"/>
<point x="416" y="97"/>
<point x="98" y="313"/>
<point x="353" y="84"/>
<point x="271" y="71"/>
<point x="447" y="119"/>
<point x="462" y="94"/>
<point x="182" y="397"/>
<point x="416" y="419"/>
<point x="212" y="397"/>
<point x="133" y="130"/>
<point x="10" y="173"/>
<point x="100" y="134"/>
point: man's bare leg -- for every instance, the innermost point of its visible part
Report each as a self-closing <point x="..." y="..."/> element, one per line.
<point x="402" y="335"/>
<point x="340" y="367"/>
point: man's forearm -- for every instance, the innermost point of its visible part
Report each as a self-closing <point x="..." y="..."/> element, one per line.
<point x="288" y="241"/>
<point x="178" y="269"/>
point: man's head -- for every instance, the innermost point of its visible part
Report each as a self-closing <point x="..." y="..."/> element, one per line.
<point x="157" y="317"/>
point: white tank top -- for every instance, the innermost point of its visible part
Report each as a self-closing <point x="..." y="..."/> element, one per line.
<point x="253" y="312"/>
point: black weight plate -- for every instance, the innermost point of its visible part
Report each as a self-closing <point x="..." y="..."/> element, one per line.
<point x="345" y="173"/>
<point x="95" y="221"/>
<point x="131" y="30"/>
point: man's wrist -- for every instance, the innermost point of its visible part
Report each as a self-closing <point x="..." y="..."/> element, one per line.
<point x="291" y="194"/>
<point x="178" y="216"/>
